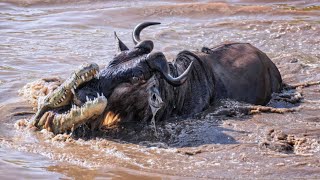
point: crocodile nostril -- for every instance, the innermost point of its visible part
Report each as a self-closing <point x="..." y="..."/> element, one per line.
<point x="154" y="98"/>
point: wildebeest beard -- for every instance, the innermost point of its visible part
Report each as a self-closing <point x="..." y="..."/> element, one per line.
<point x="134" y="102"/>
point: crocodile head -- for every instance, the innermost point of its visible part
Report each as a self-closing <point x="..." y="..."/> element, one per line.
<point x="61" y="105"/>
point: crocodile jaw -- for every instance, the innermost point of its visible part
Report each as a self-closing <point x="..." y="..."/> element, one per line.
<point x="77" y="116"/>
<point x="63" y="94"/>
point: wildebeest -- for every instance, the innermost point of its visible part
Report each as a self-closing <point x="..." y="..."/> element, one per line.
<point x="140" y="84"/>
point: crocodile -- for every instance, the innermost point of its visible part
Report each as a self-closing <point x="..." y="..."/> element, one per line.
<point x="63" y="97"/>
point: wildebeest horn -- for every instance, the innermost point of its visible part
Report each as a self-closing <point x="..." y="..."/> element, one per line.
<point x="157" y="61"/>
<point x="120" y="46"/>
<point x="139" y="28"/>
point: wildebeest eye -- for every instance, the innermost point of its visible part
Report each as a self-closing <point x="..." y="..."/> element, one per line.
<point x="135" y="80"/>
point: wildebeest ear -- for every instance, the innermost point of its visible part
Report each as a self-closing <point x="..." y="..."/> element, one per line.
<point x="120" y="46"/>
<point x="157" y="61"/>
<point x="146" y="46"/>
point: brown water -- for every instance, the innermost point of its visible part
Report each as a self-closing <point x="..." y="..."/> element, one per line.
<point x="43" y="38"/>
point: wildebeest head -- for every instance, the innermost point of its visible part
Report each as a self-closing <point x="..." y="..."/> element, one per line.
<point x="131" y="80"/>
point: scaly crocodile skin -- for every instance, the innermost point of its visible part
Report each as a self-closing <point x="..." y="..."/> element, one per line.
<point x="62" y="96"/>
<point x="60" y="123"/>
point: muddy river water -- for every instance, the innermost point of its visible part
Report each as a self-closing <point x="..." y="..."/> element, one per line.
<point x="45" y="38"/>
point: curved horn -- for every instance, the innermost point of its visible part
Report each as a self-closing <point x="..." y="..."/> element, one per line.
<point x="137" y="30"/>
<point x="157" y="61"/>
<point x="120" y="46"/>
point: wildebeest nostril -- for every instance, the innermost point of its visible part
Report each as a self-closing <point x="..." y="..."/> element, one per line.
<point x="154" y="98"/>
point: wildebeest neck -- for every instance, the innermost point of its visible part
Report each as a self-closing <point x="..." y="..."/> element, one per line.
<point x="191" y="97"/>
<point x="198" y="91"/>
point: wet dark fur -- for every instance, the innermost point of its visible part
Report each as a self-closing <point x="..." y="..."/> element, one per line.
<point x="236" y="71"/>
<point x="130" y="102"/>
<point x="232" y="71"/>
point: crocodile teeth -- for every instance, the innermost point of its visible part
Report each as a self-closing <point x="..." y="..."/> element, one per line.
<point x="72" y="90"/>
<point x="74" y="87"/>
<point x="87" y="98"/>
<point x="64" y="96"/>
<point x="82" y="77"/>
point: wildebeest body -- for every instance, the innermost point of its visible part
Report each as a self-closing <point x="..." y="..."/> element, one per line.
<point x="236" y="71"/>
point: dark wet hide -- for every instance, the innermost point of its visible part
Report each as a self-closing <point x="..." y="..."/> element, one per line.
<point x="202" y="128"/>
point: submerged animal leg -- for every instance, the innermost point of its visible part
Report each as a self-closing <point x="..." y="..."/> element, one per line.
<point x="301" y="85"/>
<point x="260" y="109"/>
<point x="249" y="110"/>
<point x="233" y="108"/>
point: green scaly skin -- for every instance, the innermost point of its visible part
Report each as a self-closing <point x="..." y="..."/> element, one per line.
<point x="63" y="95"/>
<point x="60" y="123"/>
